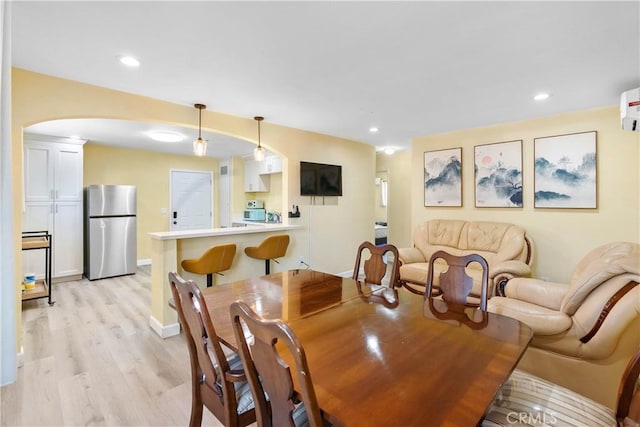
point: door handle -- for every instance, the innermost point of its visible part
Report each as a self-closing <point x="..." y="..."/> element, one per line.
<point x="175" y="215"/>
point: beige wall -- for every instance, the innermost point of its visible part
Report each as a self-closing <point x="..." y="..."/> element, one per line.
<point x="399" y="206"/>
<point x="149" y="172"/>
<point x="561" y="236"/>
<point x="333" y="231"/>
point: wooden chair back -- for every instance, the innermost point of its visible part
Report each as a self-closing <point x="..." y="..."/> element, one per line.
<point x="376" y="266"/>
<point x="268" y="373"/>
<point x="212" y="381"/>
<point x="454" y="288"/>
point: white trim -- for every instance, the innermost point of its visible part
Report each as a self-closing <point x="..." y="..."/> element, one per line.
<point x="164" y="331"/>
<point x="58" y="139"/>
<point x="145" y="261"/>
<point x="20" y="358"/>
<point x="346" y="274"/>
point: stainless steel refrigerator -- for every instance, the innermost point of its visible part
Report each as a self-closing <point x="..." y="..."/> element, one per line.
<point x="110" y="231"/>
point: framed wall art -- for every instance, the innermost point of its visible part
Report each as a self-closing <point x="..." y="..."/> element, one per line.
<point x="565" y="171"/>
<point x="443" y="177"/>
<point x="498" y="175"/>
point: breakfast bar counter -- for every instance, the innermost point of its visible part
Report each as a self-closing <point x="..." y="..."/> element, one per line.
<point x="169" y="248"/>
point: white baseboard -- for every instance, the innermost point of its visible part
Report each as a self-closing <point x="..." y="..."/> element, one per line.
<point x="20" y="357"/>
<point x="164" y="331"/>
<point x="146" y="261"/>
<point x="346" y="274"/>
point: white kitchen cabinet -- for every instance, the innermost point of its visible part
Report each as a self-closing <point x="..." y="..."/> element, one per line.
<point x="53" y="201"/>
<point x="253" y="181"/>
<point x="53" y="171"/>
<point x="270" y="164"/>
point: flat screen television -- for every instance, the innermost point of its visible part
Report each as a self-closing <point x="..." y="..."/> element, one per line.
<point x="319" y="179"/>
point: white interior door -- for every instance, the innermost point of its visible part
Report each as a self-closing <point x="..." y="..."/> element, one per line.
<point x="191" y="200"/>
<point x="224" y="194"/>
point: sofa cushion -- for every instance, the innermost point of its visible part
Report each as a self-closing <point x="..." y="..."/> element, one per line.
<point x="498" y="243"/>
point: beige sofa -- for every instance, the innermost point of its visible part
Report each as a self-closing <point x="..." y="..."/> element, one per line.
<point x="584" y="331"/>
<point x="506" y="247"/>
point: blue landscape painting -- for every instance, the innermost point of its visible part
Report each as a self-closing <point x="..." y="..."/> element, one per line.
<point x="565" y="171"/>
<point x="443" y="177"/>
<point x="498" y="172"/>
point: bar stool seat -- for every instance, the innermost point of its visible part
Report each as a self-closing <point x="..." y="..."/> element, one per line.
<point x="215" y="260"/>
<point x="269" y="249"/>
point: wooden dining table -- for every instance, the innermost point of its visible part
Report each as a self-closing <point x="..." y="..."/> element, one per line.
<point x="375" y="358"/>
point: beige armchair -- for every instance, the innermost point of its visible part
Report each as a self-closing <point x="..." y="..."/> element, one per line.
<point x="584" y="330"/>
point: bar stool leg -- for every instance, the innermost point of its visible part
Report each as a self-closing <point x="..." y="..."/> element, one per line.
<point x="209" y="280"/>
<point x="267" y="266"/>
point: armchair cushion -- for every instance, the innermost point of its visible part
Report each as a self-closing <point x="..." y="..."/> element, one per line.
<point x="542" y="320"/>
<point x="600" y="265"/>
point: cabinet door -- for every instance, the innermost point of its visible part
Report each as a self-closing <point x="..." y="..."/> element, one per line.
<point x="38" y="172"/>
<point x="38" y="216"/>
<point x="253" y="181"/>
<point x="271" y="164"/>
<point x="67" y="239"/>
<point x="68" y="172"/>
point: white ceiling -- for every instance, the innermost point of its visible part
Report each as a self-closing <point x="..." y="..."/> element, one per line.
<point x="409" y="68"/>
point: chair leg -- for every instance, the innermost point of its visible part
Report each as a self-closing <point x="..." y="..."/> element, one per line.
<point x="209" y="280"/>
<point x="196" y="407"/>
<point x="266" y="266"/>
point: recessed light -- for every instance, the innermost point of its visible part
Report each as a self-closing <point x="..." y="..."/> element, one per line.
<point x="165" y="136"/>
<point x="541" y="96"/>
<point x="389" y="151"/>
<point x="130" y="61"/>
<point x="373" y="129"/>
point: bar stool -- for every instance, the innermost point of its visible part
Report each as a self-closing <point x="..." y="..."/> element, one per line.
<point x="270" y="248"/>
<point x="213" y="261"/>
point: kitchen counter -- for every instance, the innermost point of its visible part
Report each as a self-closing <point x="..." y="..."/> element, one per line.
<point x="245" y="228"/>
<point x="169" y="248"/>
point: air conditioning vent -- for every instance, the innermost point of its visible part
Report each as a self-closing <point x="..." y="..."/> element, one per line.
<point x="224" y="170"/>
<point x="630" y="110"/>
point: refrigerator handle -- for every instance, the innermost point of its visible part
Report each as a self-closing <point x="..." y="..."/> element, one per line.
<point x="56" y="208"/>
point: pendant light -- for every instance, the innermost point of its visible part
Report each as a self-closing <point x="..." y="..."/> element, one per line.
<point x="258" y="152"/>
<point x="200" y="145"/>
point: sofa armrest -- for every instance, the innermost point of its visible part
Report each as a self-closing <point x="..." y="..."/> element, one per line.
<point x="504" y="271"/>
<point x="539" y="292"/>
<point x="513" y="268"/>
<point x="541" y="320"/>
<point x="410" y="255"/>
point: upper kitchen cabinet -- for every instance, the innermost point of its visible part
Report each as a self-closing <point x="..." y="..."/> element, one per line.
<point x="271" y="164"/>
<point x="53" y="170"/>
<point x="53" y="191"/>
<point x="254" y="181"/>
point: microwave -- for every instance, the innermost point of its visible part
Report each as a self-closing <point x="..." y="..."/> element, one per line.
<point x="255" y="204"/>
<point x="255" y="215"/>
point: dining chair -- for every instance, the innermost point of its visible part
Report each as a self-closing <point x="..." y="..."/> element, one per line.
<point x="527" y="399"/>
<point x="376" y="267"/>
<point x="269" y="375"/>
<point x="217" y="380"/>
<point x="451" y="301"/>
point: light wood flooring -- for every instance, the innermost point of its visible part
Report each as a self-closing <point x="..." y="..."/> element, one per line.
<point x="92" y="359"/>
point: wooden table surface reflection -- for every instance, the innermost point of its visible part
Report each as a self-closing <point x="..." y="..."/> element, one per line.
<point x="376" y="365"/>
